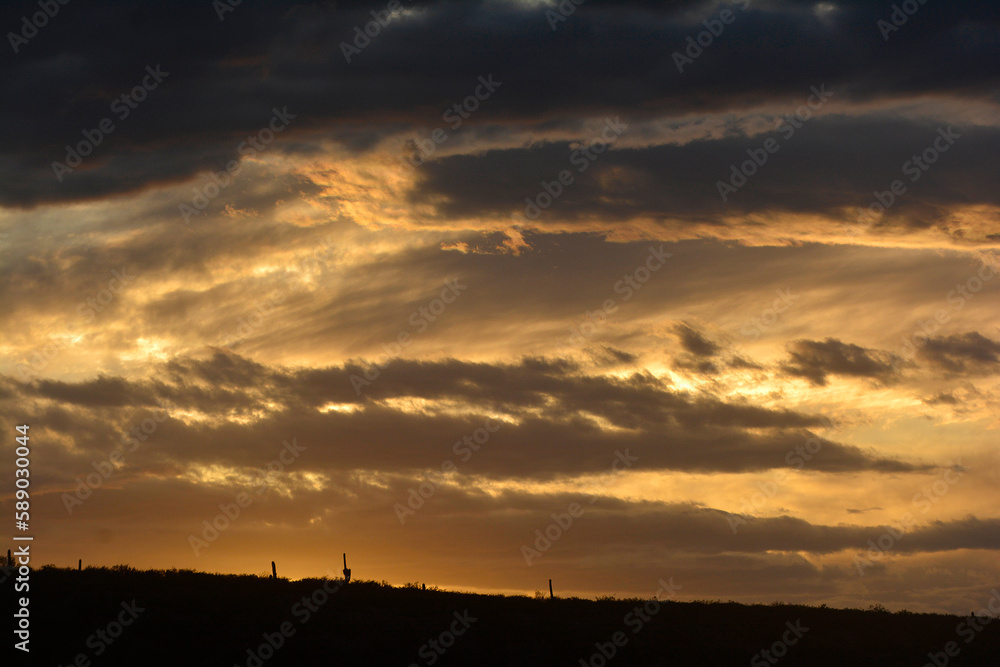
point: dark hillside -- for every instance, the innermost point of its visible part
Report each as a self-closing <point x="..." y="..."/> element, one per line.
<point x="189" y="618"/>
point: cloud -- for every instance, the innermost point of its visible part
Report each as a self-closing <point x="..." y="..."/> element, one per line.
<point x="815" y="361"/>
<point x="556" y="419"/>
<point x="225" y="81"/>
<point x="969" y="353"/>
<point x="942" y="398"/>
<point x="830" y="167"/>
<point x="863" y="511"/>
<point x="694" y="342"/>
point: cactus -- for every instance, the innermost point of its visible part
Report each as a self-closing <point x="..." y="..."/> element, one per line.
<point x="551" y="596"/>
<point x="347" y="572"/>
<point x="79" y="565"/>
<point x="274" y="571"/>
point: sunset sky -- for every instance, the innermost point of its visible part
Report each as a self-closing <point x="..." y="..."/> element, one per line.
<point x="731" y="300"/>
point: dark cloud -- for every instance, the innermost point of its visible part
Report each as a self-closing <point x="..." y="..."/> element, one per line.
<point x="696" y="365"/>
<point x="969" y="353"/>
<point x="743" y="362"/>
<point x="828" y="166"/>
<point x="792" y="534"/>
<point x="551" y="431"/>
<point x="694" y="342"/>
<point x="815" y="361"/>
<point x="943" y="398"/>
<point x="610" y="356"/>
<point x="103" y="392"/>
<point x="226" y="76"/>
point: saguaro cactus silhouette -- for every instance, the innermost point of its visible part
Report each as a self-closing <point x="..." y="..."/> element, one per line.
<point x="347" y="572"/>
<point x="274" y="571"/>
<point x="550" y="590"/>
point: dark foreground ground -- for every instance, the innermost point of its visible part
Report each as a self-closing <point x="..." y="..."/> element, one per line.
<point x="119" y="616"/>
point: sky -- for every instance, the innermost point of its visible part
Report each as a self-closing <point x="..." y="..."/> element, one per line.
<point x="488" y="293"/>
